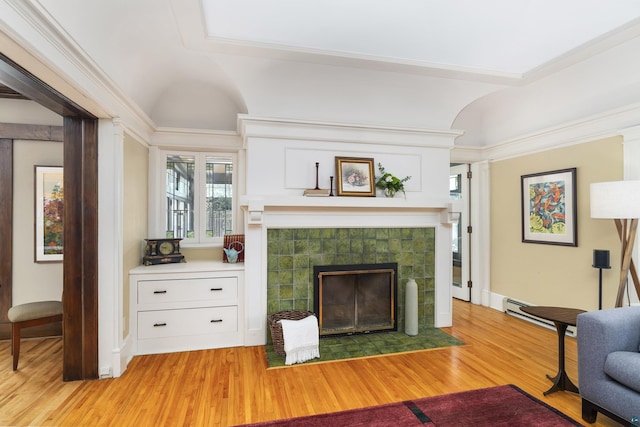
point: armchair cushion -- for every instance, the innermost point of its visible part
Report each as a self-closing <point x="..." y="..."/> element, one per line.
<point x="624" y="367"/>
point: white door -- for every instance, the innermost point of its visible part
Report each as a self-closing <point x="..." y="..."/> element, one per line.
<point x="459" y="190"/>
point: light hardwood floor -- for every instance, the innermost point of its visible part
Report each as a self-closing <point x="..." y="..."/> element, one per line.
<point x="233" y="386"/>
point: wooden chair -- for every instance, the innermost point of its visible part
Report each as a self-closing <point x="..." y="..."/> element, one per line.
<point x="28" y="315"/>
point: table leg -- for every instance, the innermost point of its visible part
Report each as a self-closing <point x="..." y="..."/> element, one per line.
<point x="561" y="381"/>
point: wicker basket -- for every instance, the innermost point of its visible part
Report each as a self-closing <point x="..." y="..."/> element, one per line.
<point x="276" y="328"/>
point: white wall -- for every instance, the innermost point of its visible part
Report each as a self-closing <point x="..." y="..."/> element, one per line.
<point x="31" y="281"/>
<point x="281" y="155"/>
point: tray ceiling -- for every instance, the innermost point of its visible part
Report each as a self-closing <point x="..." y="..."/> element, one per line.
<point x="504" y="36"/>
<point x="428" y="64"/>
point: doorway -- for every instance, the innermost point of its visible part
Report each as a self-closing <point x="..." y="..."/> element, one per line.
<point x="80" y="265"/>
<point x="23" y="278"/>
<point x="459" y="176"/>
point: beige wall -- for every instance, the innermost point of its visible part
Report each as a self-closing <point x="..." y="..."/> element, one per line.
<point x="135" y="205"/>
<point x="202" y="254"/>
<point x="31" y="281"/>
<point x="135" y="227"/>
<point x="548" y="274"/>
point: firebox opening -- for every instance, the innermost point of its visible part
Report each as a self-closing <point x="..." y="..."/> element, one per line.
<point x="353" y="299"/>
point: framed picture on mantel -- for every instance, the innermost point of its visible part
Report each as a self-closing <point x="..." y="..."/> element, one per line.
<point x="355" y="176"/>
<point x="549" y="208"/>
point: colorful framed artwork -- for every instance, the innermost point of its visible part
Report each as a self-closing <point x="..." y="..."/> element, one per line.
<point x="355" y="176"/>
<point x="549" y="207"/>
<point x="49" y="213"/>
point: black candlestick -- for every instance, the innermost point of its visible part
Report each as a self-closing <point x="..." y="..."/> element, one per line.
<point x="331" y="186"/>
<point x="317" y="188"/>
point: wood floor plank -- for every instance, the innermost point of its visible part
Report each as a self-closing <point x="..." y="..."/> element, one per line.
<point x="231" y="386"/>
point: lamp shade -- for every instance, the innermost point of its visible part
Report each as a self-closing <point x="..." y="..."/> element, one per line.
<point x="615" y="199"/>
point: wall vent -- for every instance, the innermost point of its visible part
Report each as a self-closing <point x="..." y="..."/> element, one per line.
<point x="512" y="307"/>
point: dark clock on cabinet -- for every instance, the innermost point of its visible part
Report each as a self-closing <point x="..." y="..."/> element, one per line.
<point x="162" y="251"/>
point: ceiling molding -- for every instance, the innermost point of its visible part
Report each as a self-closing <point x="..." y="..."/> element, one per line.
<point x="594" y="47"/>
<point x="196" y="138"/>
<point x="467" y="154"/>
<point x="47" y="50"/>
<point x="275" y="128"/>
<point x="343" y="59"/>
<point x="587" y="129"/>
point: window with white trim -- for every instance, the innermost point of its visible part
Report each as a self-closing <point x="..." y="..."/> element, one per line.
<point x="198" y="203"/>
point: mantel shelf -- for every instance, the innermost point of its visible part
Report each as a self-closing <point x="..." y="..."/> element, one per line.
<point x="261" y="203"/>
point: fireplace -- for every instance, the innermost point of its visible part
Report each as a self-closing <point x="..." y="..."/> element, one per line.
<point x="355" y="299"/>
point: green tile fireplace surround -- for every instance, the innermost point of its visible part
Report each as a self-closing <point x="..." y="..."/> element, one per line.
<point x="292" y="254"/>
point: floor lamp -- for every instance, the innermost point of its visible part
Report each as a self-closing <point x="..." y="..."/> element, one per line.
<point x="620" y="201"/>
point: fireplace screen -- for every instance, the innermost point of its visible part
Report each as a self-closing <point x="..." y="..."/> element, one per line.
<point x="351" y="299"/>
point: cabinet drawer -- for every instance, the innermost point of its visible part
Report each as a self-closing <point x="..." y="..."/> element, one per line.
<point x="214" y="289"/>
<point x="193" y="321"/>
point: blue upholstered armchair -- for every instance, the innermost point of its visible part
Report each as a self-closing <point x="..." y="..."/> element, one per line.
<point x="609" y="364"/>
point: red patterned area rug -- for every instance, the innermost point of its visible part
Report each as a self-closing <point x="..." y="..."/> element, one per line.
<point x="502" y="406"/>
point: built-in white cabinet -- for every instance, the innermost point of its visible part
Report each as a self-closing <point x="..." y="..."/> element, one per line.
<point x="186" y="306"/>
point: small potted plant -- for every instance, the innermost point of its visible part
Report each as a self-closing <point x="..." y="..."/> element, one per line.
<point x="391" y="184"/>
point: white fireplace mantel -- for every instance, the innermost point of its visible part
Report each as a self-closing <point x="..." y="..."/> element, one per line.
<point x="255" y="206"/>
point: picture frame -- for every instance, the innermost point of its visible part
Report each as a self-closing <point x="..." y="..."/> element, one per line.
<point x="549" y="208"/>
<point x="49" y="209"/>
<point x="355" y="177"/>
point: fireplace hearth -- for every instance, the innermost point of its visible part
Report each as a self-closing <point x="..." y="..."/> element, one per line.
<point x="355" y="299"/>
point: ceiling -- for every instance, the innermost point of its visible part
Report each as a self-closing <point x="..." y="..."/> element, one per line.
<point x="501" y="36"/>
<point x="415" y="63"/>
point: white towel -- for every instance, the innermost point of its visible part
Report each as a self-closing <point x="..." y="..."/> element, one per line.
<point x="301" y="339"/>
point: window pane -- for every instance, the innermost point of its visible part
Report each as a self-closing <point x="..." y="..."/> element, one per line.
<point x="219" y="201"/>
<point x="180" y="196"/>
<point x="455" y="186"/>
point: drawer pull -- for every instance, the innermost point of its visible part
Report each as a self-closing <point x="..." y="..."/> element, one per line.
<point x="216" y="289"/>
<point x="159" y="292"/>
<point x="155" y="325"/>
<point x="216" y="321"/>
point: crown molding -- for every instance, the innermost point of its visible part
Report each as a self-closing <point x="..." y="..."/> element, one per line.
<point x="630" y="134"/>
<point x="263" y="127"/>
<point x="32" y="38"/>
<point x="466" y="154"/>
<point x="196" y="138"/>
<point x="594" y="47"/>
<point x="591" y="128"/>
<point x="347" y="59"/>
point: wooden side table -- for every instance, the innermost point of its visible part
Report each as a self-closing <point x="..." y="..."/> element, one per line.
<point x="561" y="317"/>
